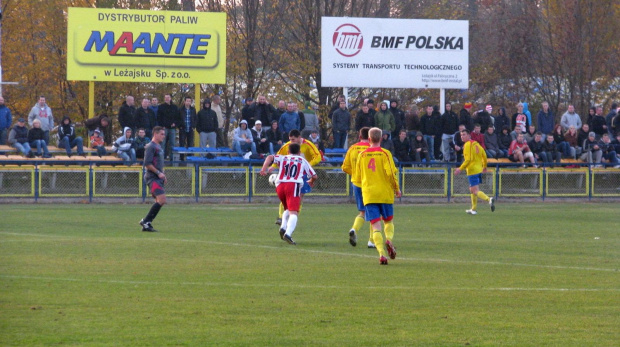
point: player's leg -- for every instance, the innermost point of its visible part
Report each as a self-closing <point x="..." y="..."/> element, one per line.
<point x="373" y="213"/>
<point x="280" y="212"/>
<point x="387" y="214"/>
<point x="358" y="222"/>
<point x="293" y="200"/>
<point x="157" y="190"/>
<point x="473" y="190"/>
<point x="281" y="191"/>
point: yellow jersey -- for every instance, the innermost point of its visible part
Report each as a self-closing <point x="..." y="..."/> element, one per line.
<point x="474" y="158"/>
<point x="376" y="175"/>
<point x="349" y="165"/>
<point x="307" y="150"/>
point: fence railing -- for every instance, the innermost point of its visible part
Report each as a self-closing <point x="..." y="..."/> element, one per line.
<point x="202" y="180"/>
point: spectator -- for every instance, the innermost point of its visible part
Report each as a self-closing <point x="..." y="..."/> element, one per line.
<point x="530" y="134"/>
<point x="613" y="112"/>
<point x="516" y="132"/>
<point x="5" y="121"/>
<point x="615" y="123"/>
<point x="449" y="125"/>
<point x="550" y="152"/>
<point x="591" y="113"/>
<point x="288" y="121"/>
<point x="616" y="143"/>
<point x="36" y="139"/>
<point x="242" y="140"/>
<point x="501" y="120"/>
<point x="572" y="138"/>
<point x="140" y="142"/>
<point x="484" y="118"/>
<point x="599" y="124"/>
<point x="384" y="119"/>
<point x="341" y="123"/>
<point x="280" y="110"/>
<point x="364" y="118"/>
<point x="582" y="134"/>
<point x="274" y="137"/>
<point x="592" y="152"/>
<point x="186" y="126"/>
<point x="169" y="118"/>
<point x="100" y="123"/>
<point x="145" y="118"/>
<point x="18" y="138"/>
<point x="536" y="146"/>
<point x="491" y="143"/>
<point x="386" y="143"/>
<point x="561" y="144"/>
<point x="124" y="147"/>
<point x="336" y="105"/>
<point x="457" y="144"/>
<point x="465" y="116"/>
<point x="302" y="119"/>
<point x="311" y="121"/>
<point x="519" y="151"/>
<point x="399" y="118"/>
<point x="402" y="147"/>
<point x="246" y="111"/>
<point x="477" y="136"/>
<point x="127" y="114"/>
<point x="221" y="120"/>
<point x="154" y="106"/>
<point x="67" y="138"/>
<point x="609" y="151"/>
<point x="43" y="113"/>
<point x="316" y="140"/>
<point x="520" y="119"/>
<point x="371" y="107"/>
<point x="504" y="140"/>
<point x="206" y="125"/>
<point x="419" y="148"/>
<point x="544" y="119"/>
<point x="96" y="141"/>
<point x="438" y="133"/>
<point x="527" y="113"/>
<point x="265" y="112"/>
<point x="259" y="136"/>
<point x="428" y="127"/>
<point x="570" y="117"/>
<point x="412" y="121"/>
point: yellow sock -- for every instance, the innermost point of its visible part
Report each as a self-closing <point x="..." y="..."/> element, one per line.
<point x="389" y="230"/>
<point x="300" y="206"/>
<point x="378" y="239"/>
<point x="371" y="232"/>
<point x="357" y="224"/>
<point x="482" y="196"/>
<point x="281" y="211"/>
<point x="474" y="202"/>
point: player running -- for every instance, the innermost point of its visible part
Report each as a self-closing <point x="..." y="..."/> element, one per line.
<point x="377" y="177"/>
<point x="475" y="162"/>
<point x="293" y="167"/>
<point x="349" y="166"/>
<point x="154" y="176"/>
<point x="309" y="152"/>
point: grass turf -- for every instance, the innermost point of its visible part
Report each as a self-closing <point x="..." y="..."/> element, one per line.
<point x="538" y="275"/>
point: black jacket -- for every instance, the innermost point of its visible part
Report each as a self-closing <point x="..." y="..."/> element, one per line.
<point x="274" y="136"/>
<point x="364" y="120"/>
<point x="36" y="134"/>
<point x="501" y="121"/>
<point x="127" y="116"/>
<point x="264" y="113"/>
<point x="429" y="125"/>
<point x="465" y="119"/>
<point x="484" y="119"/>
<point x="402" y="150"/>
<point x="549" y="147"/>
<point x="504" y="140"/>
<point x="449" y="123"/>
<point x="66" y="130"/>
<point x="145" y="118"/>
<point x="206" y="121"/>
<point x="399" y="119"/>
<point x="168" y="115"/>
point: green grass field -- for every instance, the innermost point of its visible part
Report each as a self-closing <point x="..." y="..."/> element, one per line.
<point x="219" y="275"/>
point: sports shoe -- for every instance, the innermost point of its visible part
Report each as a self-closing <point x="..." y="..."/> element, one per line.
<point x="279" y="221"/>
<point x="282" y="232"/>
<point x="492" y="203"/>
<point x="371" y="244"/>
<point x="147" y="226"/>
<point x="383" y="260"/>
<point x="390" y="249"/>
<point x="352" y="238"/>
<point x="471" y="212"/>
<point x="289" y="240"/>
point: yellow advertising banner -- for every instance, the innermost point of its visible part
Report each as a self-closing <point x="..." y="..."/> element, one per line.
<point x="146" y="46"/>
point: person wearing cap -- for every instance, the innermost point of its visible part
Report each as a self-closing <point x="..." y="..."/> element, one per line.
<point x="544" y="119"/>
<point x="592" y="152"/>
<point x="242" y="140"/>
<point x="207" y="125"/>
<point x="5" y="121"/>
<point x="259" y="136"/>
<point x="43" y="113"/>
<point x="96" y="142"/>
<point x="465" y="116"/>
<point x="18" y="138"/>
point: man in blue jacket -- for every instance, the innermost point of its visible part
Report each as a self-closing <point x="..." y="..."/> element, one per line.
<point x="545" y="121"/>
<point x="5" y="121"/>
<point x="289" y="120"/>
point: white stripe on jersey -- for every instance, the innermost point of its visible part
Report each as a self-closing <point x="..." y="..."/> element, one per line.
<point x="293" y="168"/>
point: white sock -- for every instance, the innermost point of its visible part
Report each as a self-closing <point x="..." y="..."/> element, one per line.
<point x="290" y="226"/>
<point x="285" y="216"/>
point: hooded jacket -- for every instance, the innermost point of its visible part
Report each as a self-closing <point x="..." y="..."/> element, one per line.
<point x="415" y="144"/>
<point x="384" y="120"/>
<point x="527" y="113"/>
<point x="66" y="130"/>
<point x="501" y="120"/>
<point x="206" y="119"/>
<point x="240" y="135"/>
<point x="44" y="114"/>
<point x="387" y="143"/>
<point x="123" y="144"/>
<point x="466" y="120"/>
<point x="399" y="116"/>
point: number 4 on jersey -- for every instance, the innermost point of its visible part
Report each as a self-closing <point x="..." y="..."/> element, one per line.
<point x="371" y="164"/>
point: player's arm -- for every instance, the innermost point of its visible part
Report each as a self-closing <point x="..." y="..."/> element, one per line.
<point x="266" y="169"/>
<point x="391" y="172"/>
<point x="357" y="180"/>
<point x="483" y="155"/>
<point x="313" y="153"/>
<point x="346" y="164"/>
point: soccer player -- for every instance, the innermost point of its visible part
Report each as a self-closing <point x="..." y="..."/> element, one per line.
<point x="377" y="177"/>
<point x="293" y="167"/>
<point x="475" y="162"/>
<point x="349" y="166"/>
<point x="154" y="176"/>
<point x="309" y="152"/>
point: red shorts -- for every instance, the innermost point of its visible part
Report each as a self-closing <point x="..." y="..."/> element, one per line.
<point x="290" y="195"/>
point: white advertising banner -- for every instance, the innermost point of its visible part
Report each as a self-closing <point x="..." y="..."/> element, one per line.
<point x="394" y="53"/>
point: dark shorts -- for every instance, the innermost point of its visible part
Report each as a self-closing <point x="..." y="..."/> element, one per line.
<point x="157" y="187"/>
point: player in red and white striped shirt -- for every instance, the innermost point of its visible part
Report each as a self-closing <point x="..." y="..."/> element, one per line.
<point x="288" y="185"/>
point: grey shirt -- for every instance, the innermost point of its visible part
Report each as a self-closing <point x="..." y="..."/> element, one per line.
<point x="153" y="154"/>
